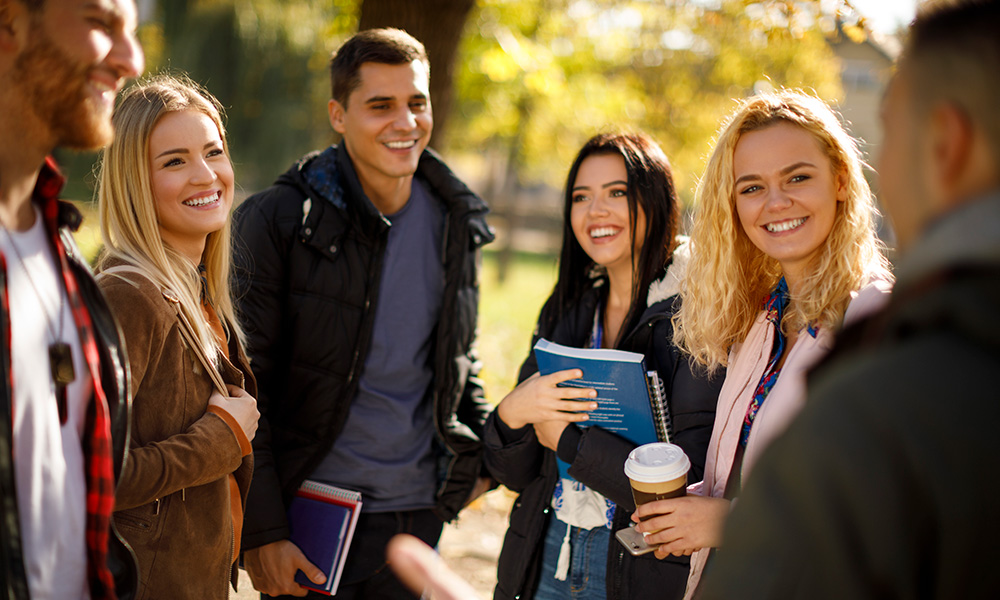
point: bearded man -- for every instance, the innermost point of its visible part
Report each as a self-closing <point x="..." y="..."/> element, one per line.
<point x="63" y="406"/>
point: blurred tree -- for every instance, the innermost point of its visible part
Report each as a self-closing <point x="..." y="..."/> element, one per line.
<point x="266" y="62"/>
<point x="439" y="24"/>
<point x="671" y="68"/>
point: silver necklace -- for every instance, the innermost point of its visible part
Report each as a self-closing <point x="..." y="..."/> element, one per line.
<point x="60" y="353"/>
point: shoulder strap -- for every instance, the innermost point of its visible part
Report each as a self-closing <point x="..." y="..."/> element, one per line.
<point x="187" y="330"/>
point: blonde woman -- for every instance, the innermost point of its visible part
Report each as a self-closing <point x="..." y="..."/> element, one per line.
<point x="784" y="252"/>
<point x="166" y="188"/>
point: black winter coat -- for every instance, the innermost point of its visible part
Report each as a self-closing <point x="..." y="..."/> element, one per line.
<point x="308" y="267"/>
<point x="596" y="459"/>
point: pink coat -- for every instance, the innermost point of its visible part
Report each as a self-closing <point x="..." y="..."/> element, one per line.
<point x="747" y="361"/>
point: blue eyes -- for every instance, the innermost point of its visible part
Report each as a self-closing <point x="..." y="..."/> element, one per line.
<point x="794" y="179"/>
<point x="173" y="162"/>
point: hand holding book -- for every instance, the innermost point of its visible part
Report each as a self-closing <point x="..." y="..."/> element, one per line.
<point x="272" y="568"/>
<point x="630" y="401"/>
<point x="540" y="398"/>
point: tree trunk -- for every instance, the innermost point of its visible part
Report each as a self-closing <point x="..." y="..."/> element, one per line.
<point x="439" y="25"/>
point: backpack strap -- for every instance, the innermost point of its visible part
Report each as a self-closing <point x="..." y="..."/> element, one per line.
<point x="186" y="328"/>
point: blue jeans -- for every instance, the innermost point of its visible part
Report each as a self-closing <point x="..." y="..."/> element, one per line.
<point x="587" y="565"/>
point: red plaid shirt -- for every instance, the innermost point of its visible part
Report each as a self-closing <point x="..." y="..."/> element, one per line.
<point x="97" y="449"/>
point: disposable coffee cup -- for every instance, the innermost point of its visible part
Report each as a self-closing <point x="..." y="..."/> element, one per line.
<point x="657" y="471"/>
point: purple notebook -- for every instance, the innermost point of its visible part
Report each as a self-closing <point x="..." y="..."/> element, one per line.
<point x="322" y="518"/>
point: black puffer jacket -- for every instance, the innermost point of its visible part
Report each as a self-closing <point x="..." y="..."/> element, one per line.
<point x="596" y="457"/>
<point x="308" y="265"/>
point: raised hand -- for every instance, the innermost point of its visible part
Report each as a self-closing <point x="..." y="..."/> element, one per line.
<point x="424" y="572"/>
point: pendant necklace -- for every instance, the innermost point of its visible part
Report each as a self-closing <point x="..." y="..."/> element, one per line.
<point x="60" y="353"/>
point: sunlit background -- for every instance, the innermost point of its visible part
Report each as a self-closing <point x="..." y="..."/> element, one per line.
<point x="517" y="86"/>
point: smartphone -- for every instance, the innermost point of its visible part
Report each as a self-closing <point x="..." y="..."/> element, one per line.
<point x="633" y="541"/>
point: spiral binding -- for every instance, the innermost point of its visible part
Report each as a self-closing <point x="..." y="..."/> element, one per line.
<point x="661" y="411"/>
<point x="330" y="491"/>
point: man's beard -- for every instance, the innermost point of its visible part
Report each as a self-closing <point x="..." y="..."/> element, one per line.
<point x="55" y="88"/>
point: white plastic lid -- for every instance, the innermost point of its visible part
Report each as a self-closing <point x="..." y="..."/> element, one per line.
<point x="653" y="463"/>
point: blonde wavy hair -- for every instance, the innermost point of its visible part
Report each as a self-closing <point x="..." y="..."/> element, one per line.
<point x="729" y="279"/>
<point x="129" y="223"/>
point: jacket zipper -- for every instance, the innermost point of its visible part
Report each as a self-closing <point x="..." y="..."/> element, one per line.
<point x="444" y="362"/>
<point x="229" y="557"/>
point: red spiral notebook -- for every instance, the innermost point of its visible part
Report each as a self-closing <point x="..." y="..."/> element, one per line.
<point x="322" y="518"/>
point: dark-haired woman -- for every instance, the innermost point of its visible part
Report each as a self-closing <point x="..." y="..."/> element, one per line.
<point x="619" y="270"/>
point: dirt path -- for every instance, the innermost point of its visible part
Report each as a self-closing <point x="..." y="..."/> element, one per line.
<point x="470" y="545"/>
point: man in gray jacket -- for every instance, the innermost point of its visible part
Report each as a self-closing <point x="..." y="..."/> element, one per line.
<point x="886" y="485"/>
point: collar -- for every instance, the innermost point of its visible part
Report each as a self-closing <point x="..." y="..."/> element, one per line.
<point x="777" y="303"/>
<point x="670" y="284"/>
<point x="50" y="182"/>
<point x="333" y="176"/>
<point x="55" y="213"/>
<point x="969" y="234"/>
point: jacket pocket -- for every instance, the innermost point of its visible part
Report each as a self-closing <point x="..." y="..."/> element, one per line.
<point x="138" y="520"/>
<point x="140" y="526"/>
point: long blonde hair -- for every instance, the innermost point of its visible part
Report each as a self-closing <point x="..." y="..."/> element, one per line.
<point x="729" y="279"/>
<point x="129" y="224"/>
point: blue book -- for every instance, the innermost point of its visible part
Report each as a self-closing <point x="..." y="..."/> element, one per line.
<point x="630" y="400"/>
<point x="322" y="519"/>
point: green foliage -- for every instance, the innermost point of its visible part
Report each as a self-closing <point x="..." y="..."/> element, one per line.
<point x="538" y="77"/>
<point x="266" y="62"/>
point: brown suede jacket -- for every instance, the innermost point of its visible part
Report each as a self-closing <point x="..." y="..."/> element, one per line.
<point x="173" y="499"/>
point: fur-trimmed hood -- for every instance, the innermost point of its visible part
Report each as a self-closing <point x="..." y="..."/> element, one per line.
<point x="670" y="284"/>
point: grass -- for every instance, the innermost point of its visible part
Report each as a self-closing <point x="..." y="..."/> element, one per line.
<point x="507" y="315"/>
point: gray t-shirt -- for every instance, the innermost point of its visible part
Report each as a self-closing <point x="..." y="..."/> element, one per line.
<point x="384" y="451"/>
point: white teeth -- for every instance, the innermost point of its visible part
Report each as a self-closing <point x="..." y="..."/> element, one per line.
<point x="401" y="145"/>
<point x="603" y="232"/>
<point x="784" y="225"/>
<point x="205" y="200"/>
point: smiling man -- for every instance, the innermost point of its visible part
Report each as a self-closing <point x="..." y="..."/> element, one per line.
<point x="359" y="294"/>
<point x="63" y="409"/>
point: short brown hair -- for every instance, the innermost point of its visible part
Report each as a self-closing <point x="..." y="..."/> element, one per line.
<point x="952" y="54"/>
<point x="387" y="46"/>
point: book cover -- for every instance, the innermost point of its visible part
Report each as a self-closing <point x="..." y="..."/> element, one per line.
<point x="630" y="400"/>
<point x="322" y="519"/>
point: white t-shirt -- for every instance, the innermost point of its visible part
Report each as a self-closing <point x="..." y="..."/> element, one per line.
<point x="48" y="457"/>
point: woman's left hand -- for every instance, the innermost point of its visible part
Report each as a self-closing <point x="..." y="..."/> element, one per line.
<point x="682" y="525"/>
<point x="549" y="432"/>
